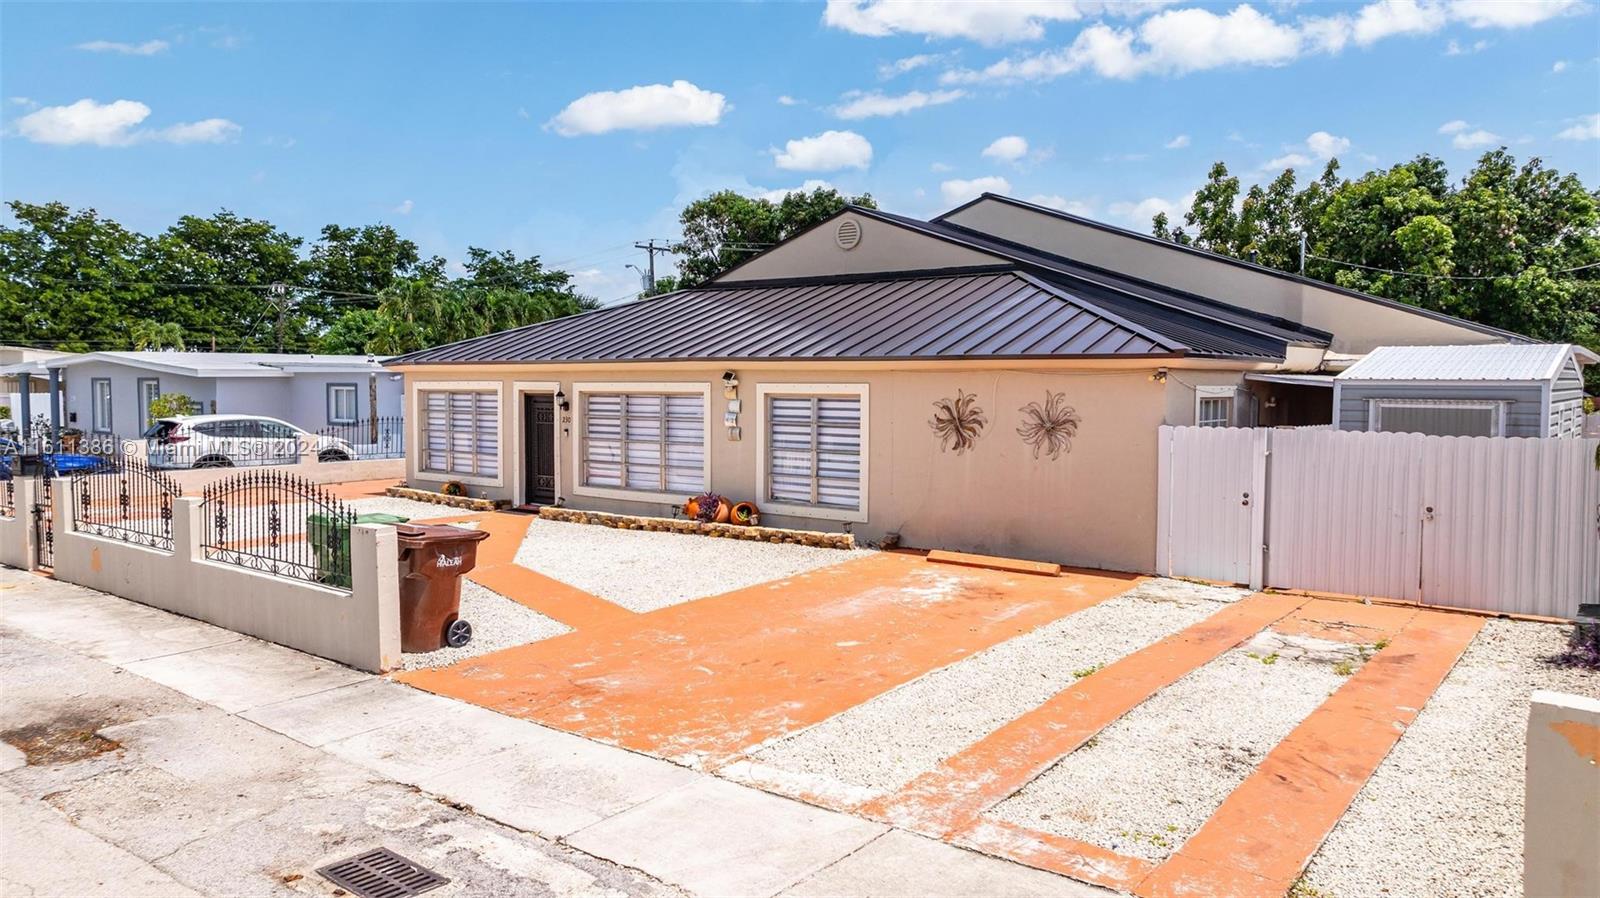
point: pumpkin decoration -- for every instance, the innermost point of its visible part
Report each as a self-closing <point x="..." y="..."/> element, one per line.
<point x="745" y="514"/>
<point x="709" y="508"/>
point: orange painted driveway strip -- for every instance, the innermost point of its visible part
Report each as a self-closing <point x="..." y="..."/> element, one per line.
<point x="1056" y="853"/>
<point x="950" y="797"/>
<point x="1260" y="839"/>
<point x="709" y="679"/>
<point x="1350" y="622"/>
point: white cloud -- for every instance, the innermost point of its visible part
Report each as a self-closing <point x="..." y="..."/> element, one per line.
<point x="858" y="105"/>
<point x="24" y="102"/>
<point x="1139" y="213"/>
<point x="776" y="196"/>
<point x="958" y="190"/>
<point x="1454" y="48"/>
<point x="786" y="100"/>
<point x="1288" y="160"/>
<point x="1587" y="128"/>
<point x="115" y="124"/>
<point x="148" y="48"/>
<point x="1319" y="146"/>
<point x="404" y="208"/>
<point x="1559" y="67"/>
<point x="985" y="21"/>
<point x="828" y="151"/>
<point x="1177" y="143"/>
<point x="906" y="64"/>
<point x="1056" y="201"/>
<point x="941" y="167"/>
<point x="1180" y="41"/>
<point x="1453" y="127"/>
<point x="1471" y="140"/>
<point x="1007" y="149"/>
<point x="642" y="108"/>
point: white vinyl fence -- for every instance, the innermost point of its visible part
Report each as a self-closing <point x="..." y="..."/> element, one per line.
<point x="1498" y="524"/>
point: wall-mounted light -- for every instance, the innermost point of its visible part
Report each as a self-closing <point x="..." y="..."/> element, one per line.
<point x="1160" y="376"/>
<point x="730" y="379"/>
<point x="561" y="400"/>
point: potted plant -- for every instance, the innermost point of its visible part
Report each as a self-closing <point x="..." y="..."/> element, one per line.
<point x="745" y="514"/>
<point x="454" y="488"/>
<point x="709" y="508"/>
<point x="71" y="439"/>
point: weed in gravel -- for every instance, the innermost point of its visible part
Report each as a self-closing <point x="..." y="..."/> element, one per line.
<point x="1346" y="667"/>
<point x="1301" y="889"/>
<point x="1583" y="649"/>
<point x="1082" y="672"/>
<point x="1265" y="659"/>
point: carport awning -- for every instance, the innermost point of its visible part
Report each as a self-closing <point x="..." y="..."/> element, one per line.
<point x="1303" y="380"/>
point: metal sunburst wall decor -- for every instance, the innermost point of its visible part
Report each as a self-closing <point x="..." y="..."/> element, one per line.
<point x="958" y="422"/>
<point x="1050" y="427"/>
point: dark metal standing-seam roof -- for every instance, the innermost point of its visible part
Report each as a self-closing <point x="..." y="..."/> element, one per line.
<point x="952" y="314"/>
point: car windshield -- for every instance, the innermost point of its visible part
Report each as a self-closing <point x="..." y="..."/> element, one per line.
<point x="160" y="429"/>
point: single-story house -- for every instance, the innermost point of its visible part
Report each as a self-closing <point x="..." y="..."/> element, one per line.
<point x="989" y="380"/>
<point x="109" y="393"/>
<point x="1507" y="390"/>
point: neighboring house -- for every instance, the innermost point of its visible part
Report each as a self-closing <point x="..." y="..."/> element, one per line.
<point x="111" y="392"/>
<point x="991" y="380"/>
<point x="24" y="372"/>
<point x="1533" y="390"/>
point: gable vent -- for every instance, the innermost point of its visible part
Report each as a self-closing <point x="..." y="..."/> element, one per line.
<point x="848" y="234"/>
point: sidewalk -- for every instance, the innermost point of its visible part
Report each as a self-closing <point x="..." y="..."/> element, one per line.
<point x="149" y="754"/>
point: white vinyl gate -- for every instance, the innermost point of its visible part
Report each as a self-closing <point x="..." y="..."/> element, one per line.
<point x="1498" y="524"/>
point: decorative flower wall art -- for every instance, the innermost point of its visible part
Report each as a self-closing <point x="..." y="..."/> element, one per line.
<point x="958" y="422"/>
<point x="1050" y="427"/>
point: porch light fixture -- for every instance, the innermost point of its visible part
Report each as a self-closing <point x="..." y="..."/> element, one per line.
<point x="561" y="400"/>
<point x="1159" y="377"/>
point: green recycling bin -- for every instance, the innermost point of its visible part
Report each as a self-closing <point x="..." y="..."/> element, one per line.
<point x="332" y="544"/>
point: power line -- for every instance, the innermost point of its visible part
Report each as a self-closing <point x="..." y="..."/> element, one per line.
<point x="1443" y="277"/>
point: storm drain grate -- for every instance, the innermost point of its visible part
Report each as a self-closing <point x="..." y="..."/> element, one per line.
<point x="380" y="873"/>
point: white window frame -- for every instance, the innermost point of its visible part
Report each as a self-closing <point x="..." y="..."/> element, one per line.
<point x="859" y="391"/>
<point x="421" y="438"/>
<point x="1375" y="409"/>
<point x="333" y="403"/>
<point x="95" y="424"/>
<point x="145" y="399"/>
<point x="684" y="388"/>
<point x="1229" y="393"/>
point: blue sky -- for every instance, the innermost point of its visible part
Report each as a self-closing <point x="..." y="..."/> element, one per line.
<point x="572" y="130"/>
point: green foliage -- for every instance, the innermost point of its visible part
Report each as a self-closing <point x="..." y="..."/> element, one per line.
<point x="75" y="281"/>
<point x="1500" y="248"/>
<point x="169" y="405"/>
<point x="727" y="227"/>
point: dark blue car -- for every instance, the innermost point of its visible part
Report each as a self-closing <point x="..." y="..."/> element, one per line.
<point x="59" y="463"/>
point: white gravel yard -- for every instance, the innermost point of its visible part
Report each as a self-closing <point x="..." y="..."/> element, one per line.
<point x="1146" y="783"/>
<point x="409" y="508"/>
<point x="643" y="571"/>
<point x="1442" y="816"/>
<point x="880" y="745"/>
<point x="497" y="623"/>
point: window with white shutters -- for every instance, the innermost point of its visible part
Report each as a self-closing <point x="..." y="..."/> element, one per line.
<point x="813" y="446"/>
<point x="646" y="442"/>
<point x="461" y="432"/>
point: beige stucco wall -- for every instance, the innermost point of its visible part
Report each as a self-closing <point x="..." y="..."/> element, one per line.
<point x="1093" y="507"/>
<point x="16" y="530"/>
<point x="360" y="628"/>
<point x="883" y="247"/>
<point x="1561" y="811"/>
<point x="1358" y="326"/>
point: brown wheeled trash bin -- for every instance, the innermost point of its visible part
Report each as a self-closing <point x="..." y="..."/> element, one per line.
<point x="432" y="559"/>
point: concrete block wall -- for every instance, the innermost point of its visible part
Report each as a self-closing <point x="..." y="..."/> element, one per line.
<point x="16" y="531"/>
<point x="360" y="628"/>
<point x="1561" y="841"/>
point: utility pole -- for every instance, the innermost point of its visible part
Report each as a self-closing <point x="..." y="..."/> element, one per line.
<point x="1302" y="253"/>
<point x="650" y="247"/>
<point x="280" y="298"/>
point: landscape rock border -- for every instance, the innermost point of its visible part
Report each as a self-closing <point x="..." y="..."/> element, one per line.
<point x="467" y="502"/>
<point x="813" y="538"/>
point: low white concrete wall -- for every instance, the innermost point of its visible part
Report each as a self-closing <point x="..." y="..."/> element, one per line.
<point x="194" y="480"/>
<point x="360" y="628"/>
<point x="16" y="532"/>
<point x="1561" y="815"/>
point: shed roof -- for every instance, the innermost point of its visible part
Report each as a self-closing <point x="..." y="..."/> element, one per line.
<point x="1488" y="362"/>
<point x="998" y="313"/>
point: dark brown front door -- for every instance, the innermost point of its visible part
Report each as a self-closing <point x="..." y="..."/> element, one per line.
<point x="539" y="448"/>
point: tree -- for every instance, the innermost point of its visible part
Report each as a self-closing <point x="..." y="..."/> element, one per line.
<point x="727" y="227"/>
<point x="1510" y="246"/>
<point x="70" y="280"/>
<point x="157" y="335"/>
<point x="225" y="264"/>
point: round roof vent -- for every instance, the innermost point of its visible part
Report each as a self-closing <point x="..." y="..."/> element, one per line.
<point x="848" y="234"/>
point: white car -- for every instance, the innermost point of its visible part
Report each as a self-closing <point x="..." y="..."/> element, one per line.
<point x="227" y="441"/>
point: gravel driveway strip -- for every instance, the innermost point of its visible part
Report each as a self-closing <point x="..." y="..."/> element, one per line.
<point x="643" y="570"/>
<point x="1442" y="816"/>
<point x="497" y="623"/>
<point x="881" y="745"/>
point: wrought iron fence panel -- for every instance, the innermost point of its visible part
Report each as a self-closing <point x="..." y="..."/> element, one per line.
<point x="127" y="501"/>
<point x="381" y="437"/>
<point x="8" y="494"/>
<point x="44" y="531"/>
<point x="280" y="524"/>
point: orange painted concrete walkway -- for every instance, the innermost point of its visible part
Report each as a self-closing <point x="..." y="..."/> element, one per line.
<point x="708" y="679"/>
<point x="951" y="796"/>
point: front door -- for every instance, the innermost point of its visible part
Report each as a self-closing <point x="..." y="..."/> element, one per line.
<point x="539" y="448"/>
